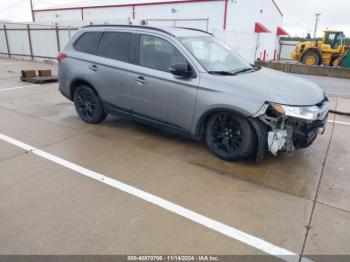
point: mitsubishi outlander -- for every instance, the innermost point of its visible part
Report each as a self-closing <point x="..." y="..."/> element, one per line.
<point x="189" y="82"/>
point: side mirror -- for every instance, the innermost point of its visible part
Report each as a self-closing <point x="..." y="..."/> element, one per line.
<point x="180" y="69"/>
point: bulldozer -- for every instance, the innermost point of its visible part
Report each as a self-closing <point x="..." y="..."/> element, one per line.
<point x="330" y="50"/>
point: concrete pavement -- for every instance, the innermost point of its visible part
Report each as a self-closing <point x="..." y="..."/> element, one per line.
<point x="300" y="204"/>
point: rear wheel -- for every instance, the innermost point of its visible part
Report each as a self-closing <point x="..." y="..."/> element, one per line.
<point x="229" y="136"/>
<point x="88" y="105"/>
<point x="311" y="58"/>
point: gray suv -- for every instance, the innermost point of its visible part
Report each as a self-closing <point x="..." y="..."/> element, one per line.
<point x="187" y="81"/>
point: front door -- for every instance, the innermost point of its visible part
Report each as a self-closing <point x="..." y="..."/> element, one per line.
<point x="158" y="94"/>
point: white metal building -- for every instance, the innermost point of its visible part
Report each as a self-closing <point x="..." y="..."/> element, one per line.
<point x="251" y="27"/>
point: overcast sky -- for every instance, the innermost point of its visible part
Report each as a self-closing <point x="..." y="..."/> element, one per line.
<point x="299" y="15"/>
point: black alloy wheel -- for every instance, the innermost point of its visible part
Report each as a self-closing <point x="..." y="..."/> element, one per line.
<point x="229" y="136"/>
<point x="88" y="105"/>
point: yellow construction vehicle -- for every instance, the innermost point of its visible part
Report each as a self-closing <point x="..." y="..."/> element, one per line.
<point x="329" y="51"/>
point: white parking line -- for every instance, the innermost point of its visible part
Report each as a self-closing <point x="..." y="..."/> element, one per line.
<point x="217" y="226"/>
<point x="16" y="87"/>
<point x="339" y="122"/>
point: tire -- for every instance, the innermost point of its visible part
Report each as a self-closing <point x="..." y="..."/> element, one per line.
<point x="311" y="58"/>
<point x="88" y="105"/>
<point x="229" y="136"/>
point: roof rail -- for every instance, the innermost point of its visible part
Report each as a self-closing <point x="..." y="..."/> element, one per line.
<point x="131" y="26"/>
<point x="195" y="29"/>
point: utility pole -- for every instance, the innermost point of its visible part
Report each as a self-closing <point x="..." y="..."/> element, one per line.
<point x="316" y="24"/>
<point x="31" y="9"/>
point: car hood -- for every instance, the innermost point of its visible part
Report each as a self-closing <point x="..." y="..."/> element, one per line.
<point x="275" y="86"/>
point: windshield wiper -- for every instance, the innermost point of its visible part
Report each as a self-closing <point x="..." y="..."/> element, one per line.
<point x="230" y="73"/>
<point x="244" y="70"/>
<point x="224" y="73"/>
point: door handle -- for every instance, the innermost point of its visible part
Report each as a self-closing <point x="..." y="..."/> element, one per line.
<point x="93" y="68"/>
<point x="141" y="80"/>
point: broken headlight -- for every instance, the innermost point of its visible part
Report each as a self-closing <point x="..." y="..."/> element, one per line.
<point x="309" y="113"/>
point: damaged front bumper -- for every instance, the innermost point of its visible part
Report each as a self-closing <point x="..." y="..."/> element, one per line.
<point x="291" y="128"/>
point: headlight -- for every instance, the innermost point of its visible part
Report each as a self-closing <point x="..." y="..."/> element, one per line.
<point x="310" y="113"/>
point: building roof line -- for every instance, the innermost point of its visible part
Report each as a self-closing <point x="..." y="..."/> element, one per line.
<point x="137" y="4"/>
<point x="122" y="5"/>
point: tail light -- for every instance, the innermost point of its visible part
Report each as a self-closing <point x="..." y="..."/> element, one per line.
<point x="61" y="56"/>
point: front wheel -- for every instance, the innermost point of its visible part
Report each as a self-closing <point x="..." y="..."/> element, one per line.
<point x="88" y="105"/>
<point x="311" y="58"/>
<point x="229" y="136"/>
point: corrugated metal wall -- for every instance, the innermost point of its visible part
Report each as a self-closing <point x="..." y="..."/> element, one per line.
<point x="44" y="41"/>
<point x="33" y="40"/>
<point x="241" y="17"/>
<point x="286" y="48"/>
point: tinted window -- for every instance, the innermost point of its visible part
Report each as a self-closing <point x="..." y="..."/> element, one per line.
<point x="115" y="46"/>
<point x="87" y="43"/>
<point x="158" y="54"/>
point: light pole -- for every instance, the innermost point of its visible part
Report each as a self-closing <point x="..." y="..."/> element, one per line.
<point x="31" y="9"/>
<point x="316" y="23"/>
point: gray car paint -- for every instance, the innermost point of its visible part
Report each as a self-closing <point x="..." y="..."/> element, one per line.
<point x="181" y="101"/>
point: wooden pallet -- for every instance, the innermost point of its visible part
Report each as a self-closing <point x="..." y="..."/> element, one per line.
<point x="40" y="79"/>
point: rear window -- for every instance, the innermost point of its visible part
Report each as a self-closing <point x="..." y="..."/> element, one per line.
<point x="115" y="45"/>
<point x="87" y="42"/>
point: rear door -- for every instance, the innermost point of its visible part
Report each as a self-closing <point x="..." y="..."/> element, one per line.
<point x="158" y="94"/>
<point x="112" y="70"/>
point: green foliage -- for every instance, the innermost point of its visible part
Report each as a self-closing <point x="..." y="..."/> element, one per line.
<point x="303" y="39"/>
<point x="297" y="38"/>
<point x="294" y="38"/>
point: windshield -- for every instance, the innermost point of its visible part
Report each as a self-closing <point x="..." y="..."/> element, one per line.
<point x="214" y="55"/>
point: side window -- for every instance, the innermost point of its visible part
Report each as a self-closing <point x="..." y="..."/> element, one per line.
<point x="330" y="38"/>
<point x="87" y="42"/>
<point x="159" y="54"/>
<point x="115" y="45"/>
